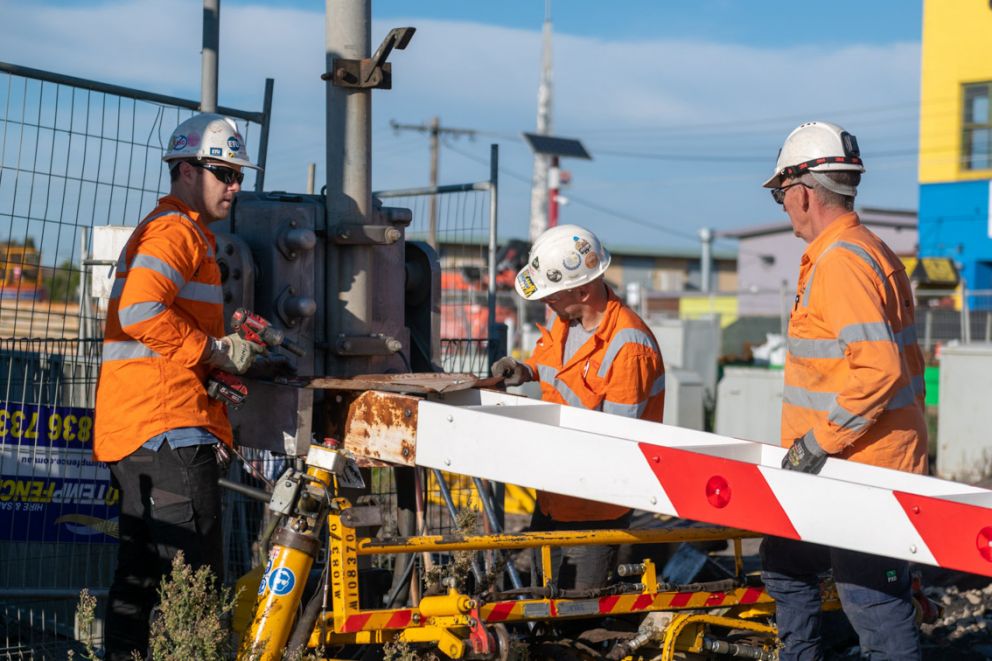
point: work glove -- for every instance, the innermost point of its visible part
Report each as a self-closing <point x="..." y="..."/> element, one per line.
<point x="805" y="456"/>
<point x="232" y="353"/>
<point x="513" y="372"/>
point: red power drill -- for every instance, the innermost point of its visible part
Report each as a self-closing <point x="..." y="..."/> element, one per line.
<point x="257" y="330"/>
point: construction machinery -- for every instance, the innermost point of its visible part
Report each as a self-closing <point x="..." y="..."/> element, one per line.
<point x="438" y="423"/>
<point x="336" y="276"/>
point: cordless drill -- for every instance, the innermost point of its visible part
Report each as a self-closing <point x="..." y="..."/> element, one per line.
<point x="257" y="330"/>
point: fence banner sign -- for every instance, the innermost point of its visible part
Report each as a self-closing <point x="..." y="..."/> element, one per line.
<point x="51" y="490"/>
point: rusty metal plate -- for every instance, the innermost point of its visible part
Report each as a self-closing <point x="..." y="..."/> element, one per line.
<point x="421" y="383"/>
<point x="382" y="427"/>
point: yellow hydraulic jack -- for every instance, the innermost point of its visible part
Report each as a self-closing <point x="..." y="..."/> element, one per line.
<point x="294" y="548"/>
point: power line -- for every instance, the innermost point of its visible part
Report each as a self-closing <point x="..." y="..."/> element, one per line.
<point x="586" y="203"/>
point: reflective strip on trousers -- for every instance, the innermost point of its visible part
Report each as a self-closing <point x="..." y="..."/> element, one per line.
<point x="626" y="336"/>
<point x="126" y="351"/>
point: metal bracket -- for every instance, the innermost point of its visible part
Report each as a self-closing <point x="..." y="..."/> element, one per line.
<point x="367" y="345"/>
<point x="284" y="492"/>
<point x="373" y="72"/>
<point x="363" y="235"/>
<point x="361" y="517"/>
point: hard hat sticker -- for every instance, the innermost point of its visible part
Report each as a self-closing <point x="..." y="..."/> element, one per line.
<point x="527" y="286"/>
<point x="572" y="261"/>
<point x="554" y="275"/>
<point x="178" y="142"/>
<point x="581" y="245"/>
<point x="193" y="139"/>
<point x="536" y="263"/>
<point x="234" y="143"/>
<point x="216" y="151"/>
<point x="282" y="581"/>
<point x="592" y="260"/>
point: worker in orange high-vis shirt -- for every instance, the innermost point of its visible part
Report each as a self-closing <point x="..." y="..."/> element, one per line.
<point x="155" y="424"/>
<point x="853" y="390"/>
<point x="597" y="354"/>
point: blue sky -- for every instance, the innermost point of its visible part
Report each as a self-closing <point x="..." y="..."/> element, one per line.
<point x="683" y="105"/>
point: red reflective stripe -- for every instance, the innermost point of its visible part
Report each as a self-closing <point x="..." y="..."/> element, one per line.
<point x="642" y="602"/>
<point x="715" y="598"/>
<point x="751" y="595"/>
<point x="500" y="611"/>
<point x="746" y="501"/>
<point x="682" y="598"/>
<point x="967" y="547"/>
<point x="355" y="622"/>
<point x="607" y="604"/>
<point x="399" y="619"/>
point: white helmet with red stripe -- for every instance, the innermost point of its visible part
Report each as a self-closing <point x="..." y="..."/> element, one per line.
<point x="563" y="257"/>
<point x="208" y="135"/>
<point x="816" y="147"/>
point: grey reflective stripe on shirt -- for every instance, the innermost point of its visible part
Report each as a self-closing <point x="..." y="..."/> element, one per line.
<point x="126" y="351"/>
<point x="158" y="266"/>
<point x="814" y="400"/>
<point x="876" y="331"/>
<point x="845" y="419"/>
<point x="547" y="374"/>
<point x="202" y="292"/>
<point x="117" y="289"/>
<point x="805" y="348"/>
<point x="635" y="410"/>
<point x="628" y="410"/>
<point x="857" y="250"/>
<point x="626" y="336"/>
<point x="138" y="312"/>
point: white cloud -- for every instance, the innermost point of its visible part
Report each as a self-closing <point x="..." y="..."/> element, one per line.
<point x="613" y="94"/>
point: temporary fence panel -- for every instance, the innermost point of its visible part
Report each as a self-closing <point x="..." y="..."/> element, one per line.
<point x="74" y="154"/>
<point x="459" y="221"/>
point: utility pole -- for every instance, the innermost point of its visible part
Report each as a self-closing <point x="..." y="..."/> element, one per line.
<point x="539" y="185"/>
<point x="210" y="55"/>
<point x="435" y="131"/>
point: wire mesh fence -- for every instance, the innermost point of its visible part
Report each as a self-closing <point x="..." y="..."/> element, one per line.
<point x="459" y="222"/>
<point x="74" y="155"/>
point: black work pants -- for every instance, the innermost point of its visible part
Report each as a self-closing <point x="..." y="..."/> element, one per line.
<point x="170" y="502"/>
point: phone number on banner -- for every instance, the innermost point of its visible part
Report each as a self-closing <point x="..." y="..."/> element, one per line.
<point x="46" y="426"/>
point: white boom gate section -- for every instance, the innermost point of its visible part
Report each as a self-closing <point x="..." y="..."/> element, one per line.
<point x="706" y="477"/>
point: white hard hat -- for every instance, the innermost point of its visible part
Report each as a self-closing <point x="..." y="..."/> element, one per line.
<point x="208" y="135"/>
<point x="818" y="147"/>
<point x="563" y="257"/>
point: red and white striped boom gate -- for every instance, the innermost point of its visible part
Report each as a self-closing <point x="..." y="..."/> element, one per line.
<point x="705" y="477"/>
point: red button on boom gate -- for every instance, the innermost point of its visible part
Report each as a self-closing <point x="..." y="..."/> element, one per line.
<point x="718" y="491"/>
<point x="984" y="543"/>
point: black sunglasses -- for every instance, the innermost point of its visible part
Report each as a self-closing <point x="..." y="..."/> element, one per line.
<point x="226" y="176"/>
<point x="778" y="194"/>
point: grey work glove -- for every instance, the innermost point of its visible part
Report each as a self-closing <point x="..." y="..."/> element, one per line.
<point x="232" y="353"/>
<point x="513" y="372"/>
<point x="805" y="455"/>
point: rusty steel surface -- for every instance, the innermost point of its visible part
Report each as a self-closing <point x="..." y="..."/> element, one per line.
<point x="381" y="427"/>
<point x="421" y="383"/>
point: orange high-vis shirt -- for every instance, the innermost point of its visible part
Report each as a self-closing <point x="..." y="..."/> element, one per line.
<point x="165" y="305"/>
<point x="854" y="370"/>
<point x="618" y="370"/>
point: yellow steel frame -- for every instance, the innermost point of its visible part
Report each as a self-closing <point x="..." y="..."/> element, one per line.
<point x="449" y="620"/>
